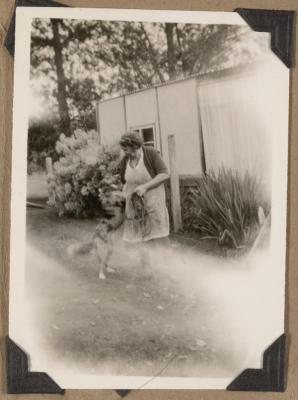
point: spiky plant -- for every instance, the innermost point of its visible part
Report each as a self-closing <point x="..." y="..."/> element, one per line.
<point x="225" y="206"/>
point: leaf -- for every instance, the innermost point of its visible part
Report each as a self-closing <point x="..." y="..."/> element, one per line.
<point x="226" y="203"/>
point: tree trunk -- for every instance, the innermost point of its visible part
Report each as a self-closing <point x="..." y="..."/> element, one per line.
<point x="181" y="50"/>
<point x="169" y="29"/>
<point x="65" y="125"/>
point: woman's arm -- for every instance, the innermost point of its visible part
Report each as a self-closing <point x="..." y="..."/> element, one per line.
<point x="156" y="181"/>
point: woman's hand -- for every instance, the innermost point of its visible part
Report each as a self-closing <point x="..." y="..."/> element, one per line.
<point x="140" y="190"/>
<point x="156" y="181"/>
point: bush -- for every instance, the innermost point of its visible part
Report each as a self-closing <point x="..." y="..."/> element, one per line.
<point x="225" y="207"/>
<point x="83" y="172"/>
<point x="42" y="137"/>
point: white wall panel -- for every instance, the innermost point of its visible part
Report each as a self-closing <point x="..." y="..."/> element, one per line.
<point x="141" y="109"/>
<point x="111" y="120"/>
<point x="179" y="116"/>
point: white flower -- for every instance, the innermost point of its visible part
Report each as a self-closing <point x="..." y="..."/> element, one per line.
<point x="67" y="188"/>
<point x="84" y="191"/>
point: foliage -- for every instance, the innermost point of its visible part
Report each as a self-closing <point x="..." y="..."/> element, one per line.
<point x="202" y="48"/>
<point x="42" y="136"/>
<point x="225" y="207"/>
<point x="82" y="174"/>
<point x="100" y="58"/>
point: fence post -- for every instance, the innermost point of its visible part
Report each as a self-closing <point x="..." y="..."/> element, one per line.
<point x="98" y="122"/>
<point x="175" y="187"/>
<point x="49" y="168"/>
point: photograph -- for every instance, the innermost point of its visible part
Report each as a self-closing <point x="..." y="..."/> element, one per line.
<point x="149" y="192"/>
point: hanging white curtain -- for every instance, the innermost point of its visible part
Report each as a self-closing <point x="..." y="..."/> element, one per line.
<point x="235" y="115"/>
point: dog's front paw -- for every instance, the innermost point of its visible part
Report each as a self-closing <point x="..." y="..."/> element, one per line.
<point x="101" y="275"/>
<point x="110" y="269"/>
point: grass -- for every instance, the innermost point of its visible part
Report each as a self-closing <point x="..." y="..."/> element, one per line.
<point x="126" y="323"/>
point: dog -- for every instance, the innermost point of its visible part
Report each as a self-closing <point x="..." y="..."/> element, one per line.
<point x="101" y="242"/>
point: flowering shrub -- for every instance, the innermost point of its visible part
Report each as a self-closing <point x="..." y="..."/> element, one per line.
<point x="81" y="175"/>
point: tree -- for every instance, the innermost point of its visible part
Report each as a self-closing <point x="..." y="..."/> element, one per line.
<point x="201" y="48"/>
<point x="171" y="56"/>
<point x="61" y="80"/>
<point x="153" y="55"/>
<point x="79" y="62"/>
<point x="52" y="44"/>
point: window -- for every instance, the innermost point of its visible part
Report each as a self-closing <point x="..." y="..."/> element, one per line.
<point x="147" y="133"/>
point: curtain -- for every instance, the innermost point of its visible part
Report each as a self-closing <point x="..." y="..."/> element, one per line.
<point x="236" y="123"/>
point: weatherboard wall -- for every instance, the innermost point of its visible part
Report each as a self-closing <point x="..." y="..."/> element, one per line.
<point x="171" y="109"/>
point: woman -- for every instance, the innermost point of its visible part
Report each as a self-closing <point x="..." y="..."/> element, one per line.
<point x="143" y="172"/>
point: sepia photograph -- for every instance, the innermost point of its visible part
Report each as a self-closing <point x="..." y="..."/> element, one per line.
<point x="149" y="182"/>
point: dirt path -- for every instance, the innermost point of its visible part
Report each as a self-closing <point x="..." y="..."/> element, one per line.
<point x="139" y="321"/>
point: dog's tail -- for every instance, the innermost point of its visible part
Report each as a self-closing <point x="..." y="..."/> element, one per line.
<point x="79" y="248"/>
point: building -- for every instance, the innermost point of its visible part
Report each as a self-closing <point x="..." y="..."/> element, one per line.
<point x="220" y="119"/>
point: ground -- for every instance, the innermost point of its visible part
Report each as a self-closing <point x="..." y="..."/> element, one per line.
<point x="138" y="320"/>
<point x="180" y="315"/>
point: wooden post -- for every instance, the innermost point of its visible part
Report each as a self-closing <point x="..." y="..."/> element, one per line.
<point x="98" y="122"/>
<point x="49" y="165"/>
<point x="49" y="168"/>
<point x="175" y="187"/>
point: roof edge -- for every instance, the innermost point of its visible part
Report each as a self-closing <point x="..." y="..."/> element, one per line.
<point x="204" y="76"/>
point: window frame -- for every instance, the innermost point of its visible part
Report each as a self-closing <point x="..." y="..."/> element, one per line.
<point x="146" y="126"/>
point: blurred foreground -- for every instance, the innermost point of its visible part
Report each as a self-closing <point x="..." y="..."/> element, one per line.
<point x="186" y="314"/>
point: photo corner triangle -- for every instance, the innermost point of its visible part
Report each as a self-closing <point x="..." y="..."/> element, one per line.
<point x="9" y="42"/>
<point x="20" y="380"/>
<point x="271" y="377"/>
<point x="280" y="23"/>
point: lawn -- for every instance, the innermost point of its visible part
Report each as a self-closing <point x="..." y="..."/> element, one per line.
<point x="133" y="323"/>
<point x="37" y="186"/>
<point x="189" y="313"/>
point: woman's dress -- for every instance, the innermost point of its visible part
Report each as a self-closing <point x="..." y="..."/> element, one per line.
<point x="155" y="222"/>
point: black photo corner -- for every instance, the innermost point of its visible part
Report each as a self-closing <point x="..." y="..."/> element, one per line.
<point x="20" y="379"/>
<point x="271" y="377"/>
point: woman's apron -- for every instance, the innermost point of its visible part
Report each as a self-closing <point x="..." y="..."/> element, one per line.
<point x="156" y="217"/>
